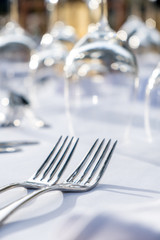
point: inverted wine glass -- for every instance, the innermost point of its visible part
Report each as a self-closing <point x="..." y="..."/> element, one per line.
<point x="101" y="75"/>
<point x="47" y="60"/>
<point x="140" y="27"/>
<point x="15" y="49"/>
<point x="142" y="35"/>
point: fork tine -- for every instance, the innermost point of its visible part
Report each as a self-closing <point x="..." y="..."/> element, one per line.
<point x="65" y="164"/>
<point x="106" y="162"/>
<point x="99" y="161"/>
<point x="103" y="168"/>
<point x="73" y="175"/>
<point x="91" y="162"/>
<point x="53" y="160"/>
<point x="47" y="159"/>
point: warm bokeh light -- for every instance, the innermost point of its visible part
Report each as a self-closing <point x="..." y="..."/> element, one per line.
<point x="2" y="116"/>
<point x="95" y="99"/>
<point x="94" y="4"/>
<point x="34" y="62"/>
<point x="46" y="39"/>
<point x="134" y="42"/>
<point x="151" y="23"/>
<point x="122" y="35"/>
<point x="5" y="101"/>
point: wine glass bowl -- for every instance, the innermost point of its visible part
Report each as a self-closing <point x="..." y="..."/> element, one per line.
<point x="140" y="43"/>
<point x="50" y="53"/>
<point x="102" y="64"/>
<point x="102" y="45"/>
<point x="15" y="50"/>
<point x="144" y="40"/>
<point x="100" y="52"/>
<point x="63" y="33"/>
<point x="46" y="69"/>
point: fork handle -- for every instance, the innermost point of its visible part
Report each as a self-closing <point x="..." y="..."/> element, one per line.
<point x="5" y="212"/>
<point x="10" y="186"/>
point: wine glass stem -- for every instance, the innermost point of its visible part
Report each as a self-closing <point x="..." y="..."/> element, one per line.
<point x="51" y="10"/>
<point x="135" y="8"/>
<point x="14" y="10"/>
<point x="104" y="12"/>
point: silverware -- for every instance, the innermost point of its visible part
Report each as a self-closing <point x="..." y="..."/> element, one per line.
<point x="16" y="143"/>
<point x="81" y="180"/>
<point x="9" y="149"/>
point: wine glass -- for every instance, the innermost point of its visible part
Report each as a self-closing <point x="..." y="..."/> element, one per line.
<point x="15" y="49"/>
<point x="140" y="27"/>
<point x="47" y="61"/>
<point x="101" y="76"/>
<point x="144" y="38"/>
<point x="152" y="105"/>
<point x="12" y="32"/>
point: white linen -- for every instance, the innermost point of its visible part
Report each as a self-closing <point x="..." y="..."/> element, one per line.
<point x="126" y="203"/>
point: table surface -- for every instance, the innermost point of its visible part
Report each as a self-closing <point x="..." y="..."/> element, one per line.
<point x="124" y="205"/>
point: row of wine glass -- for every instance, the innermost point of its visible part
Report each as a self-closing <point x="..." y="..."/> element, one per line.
<point x="101" y="65"/>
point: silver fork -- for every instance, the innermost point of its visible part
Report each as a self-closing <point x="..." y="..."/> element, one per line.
<point x="51" y="168"/>
<point x="81" y="180"/>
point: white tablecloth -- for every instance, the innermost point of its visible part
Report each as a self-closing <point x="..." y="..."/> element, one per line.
<point x="126" y="203"/>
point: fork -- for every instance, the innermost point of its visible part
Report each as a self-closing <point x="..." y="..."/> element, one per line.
<point x="46" y="170"/>
<point x="81" y="180"/>
<point x="17" y="143"/>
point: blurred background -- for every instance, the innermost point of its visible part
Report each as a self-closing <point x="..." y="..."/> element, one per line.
<point x="36" y="42"/>
<point x="32" y="15"/>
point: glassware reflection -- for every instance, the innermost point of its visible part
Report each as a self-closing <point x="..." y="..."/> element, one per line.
<point x="46" y="70"/>
<point x="152" y="105"/>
